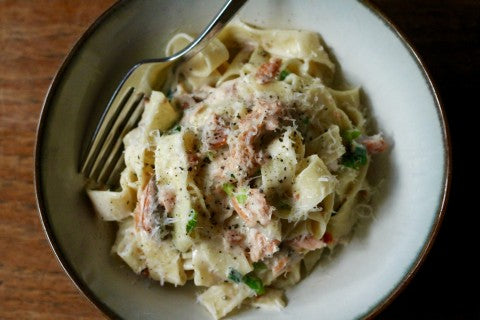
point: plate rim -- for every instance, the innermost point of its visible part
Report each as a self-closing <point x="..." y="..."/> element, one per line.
<point x="447" y="154"/>
<point x="102" y="306"/>
<point x="66" y="265"/>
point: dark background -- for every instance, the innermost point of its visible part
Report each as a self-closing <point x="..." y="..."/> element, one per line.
<point x="446" y="35"/>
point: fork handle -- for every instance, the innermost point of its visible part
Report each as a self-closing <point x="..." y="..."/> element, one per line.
<point x="226" y="13"/>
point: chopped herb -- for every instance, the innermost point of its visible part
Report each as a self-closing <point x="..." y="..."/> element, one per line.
<point x="241" y="198"/>
<point x="235" y="276"/>
<point x="177" y="128"/>
<point x="254" y="283"/>
<point x="257" y="266"/>
<point x="250" y="280"/>
<point x="210" y="155"/>
<point x="232" y="175"/>
<point x="283" y="74"/>
<point x="351" y="135"/>
<point x="355" y="158"/>
<point x="192" y="220"/>
<point x="228" y="188"/>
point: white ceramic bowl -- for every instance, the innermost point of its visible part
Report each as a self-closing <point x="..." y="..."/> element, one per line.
<point x="360" y="278"/>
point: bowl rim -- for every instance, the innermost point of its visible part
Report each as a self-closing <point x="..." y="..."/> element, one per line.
<point x="103" y="307"/>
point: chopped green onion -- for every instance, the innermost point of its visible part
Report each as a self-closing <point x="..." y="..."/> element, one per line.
<point x="351" y="135"/>
<point x="228" y="188"/>
<point x="241" y="198"/>
<point x="192" y="220"/>
<point x="254" y="283"/>
<point x="232" y="176"/>
<point x="257" y="266"/>
<point x="235" y="276"/>
<point x="283" y="74"/>
<point x="251" y="280"/>
<point x="356" y="158"/>
<point x="210" y="155"/>
<point x="178" y="128"/>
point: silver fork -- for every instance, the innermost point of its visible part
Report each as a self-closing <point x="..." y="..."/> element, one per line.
<point x="103" y="158"/>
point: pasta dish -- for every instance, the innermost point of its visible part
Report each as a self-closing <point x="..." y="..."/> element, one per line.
<point x="244" y="172"/>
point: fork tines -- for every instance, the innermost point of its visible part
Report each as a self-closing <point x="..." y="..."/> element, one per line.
<point x="104" y="156"/>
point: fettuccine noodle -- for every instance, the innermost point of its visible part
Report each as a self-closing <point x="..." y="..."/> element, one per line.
<point x="247" y="169"/>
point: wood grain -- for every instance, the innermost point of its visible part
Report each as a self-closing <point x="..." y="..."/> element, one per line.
<point x="36" y="35"/>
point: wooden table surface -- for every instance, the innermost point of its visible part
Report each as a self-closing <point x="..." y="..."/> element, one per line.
<point x="36" y="35"/>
